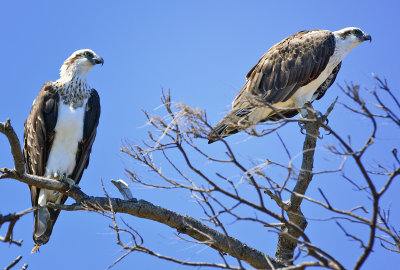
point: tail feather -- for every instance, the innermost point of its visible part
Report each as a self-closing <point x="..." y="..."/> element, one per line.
<point x="240" y="119"/>
<point x="229" y="125"/>
<point x="219" y="132"/>
<point x="45" y="217"/>
<point x="44" y="220"/>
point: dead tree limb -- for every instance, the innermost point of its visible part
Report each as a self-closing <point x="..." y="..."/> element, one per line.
<point x="12" y="219"/>
<point x="176" y="140"/>
<point x="288" y="235"/>
<point x="142" y="209"/>
<point x="15" y="144"/>
<point x="13" y="263"/>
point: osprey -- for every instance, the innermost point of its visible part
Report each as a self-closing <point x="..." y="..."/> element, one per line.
<point x="297" y="70"/>
<point x="59" y="134"/>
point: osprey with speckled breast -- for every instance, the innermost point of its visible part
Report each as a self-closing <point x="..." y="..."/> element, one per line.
<point x="59" y="134"/>
<point x="297" y="70"/>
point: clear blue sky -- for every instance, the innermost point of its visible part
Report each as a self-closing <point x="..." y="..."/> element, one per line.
<point x="201" y="50"/>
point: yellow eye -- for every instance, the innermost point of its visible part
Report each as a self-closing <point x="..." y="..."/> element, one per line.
<point x="87" y="54"/>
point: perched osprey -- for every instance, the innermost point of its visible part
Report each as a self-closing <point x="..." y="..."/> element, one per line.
<point x="297" y="70"/>
<point x="59" y="135"/>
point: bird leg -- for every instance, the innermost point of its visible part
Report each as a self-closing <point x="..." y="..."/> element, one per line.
<point x="63" y="178"/>
<point x="304" y="114"/>
<point x="307" y="108"/>
<point x="302" y="127"/>
<point x="35" y="249"/>
<point x="321" y="118"/>
<point x="305" y="111"/>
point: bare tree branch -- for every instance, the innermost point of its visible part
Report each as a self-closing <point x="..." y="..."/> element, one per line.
<point x="220" y="193"/>
<point x="12" y="137"/>
<point x="287" y="245"/>
<point x="144" y="209"/>
<point x="13" y="263"/>
<point x="12" y="219"/>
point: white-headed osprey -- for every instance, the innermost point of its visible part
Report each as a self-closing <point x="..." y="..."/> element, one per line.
<point x="297" y="70"/>
<point x="59" y="134"/>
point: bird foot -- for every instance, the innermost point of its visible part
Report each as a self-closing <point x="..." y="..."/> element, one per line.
<point x="303" y="112"/>
<point x="69" y="181"/>
<point x="304" y="109"/>
<point x="302" y="127"/>
<point x="322" y="118"/>
<point x="35" y="249"/>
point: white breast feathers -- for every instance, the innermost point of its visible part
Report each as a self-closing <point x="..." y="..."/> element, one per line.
<point x="69" y="132"/>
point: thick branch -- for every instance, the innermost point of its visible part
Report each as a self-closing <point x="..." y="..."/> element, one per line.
<point x="288" y="236"/>
<point x="12" y="137"/>
<point x="143" y="209"/>
<point x="46" y="183"/>
<point x="13" y="263"/>
<point x="183" y="224"/>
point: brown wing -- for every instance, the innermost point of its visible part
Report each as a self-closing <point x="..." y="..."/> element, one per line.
<point x="287" y="66"/>
<point x="318" y="94"/>
<point x="92" y="116"/>
<point x="39" y="133"/>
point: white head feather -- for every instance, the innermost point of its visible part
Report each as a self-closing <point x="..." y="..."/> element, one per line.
<point x="72" y="82"/>
<point x="349" y="38"/>
<point x="76" y="67"/>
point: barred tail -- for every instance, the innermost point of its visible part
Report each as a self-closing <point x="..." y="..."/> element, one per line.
<point x="228" y="125"/>
<point x="44" y="220"/>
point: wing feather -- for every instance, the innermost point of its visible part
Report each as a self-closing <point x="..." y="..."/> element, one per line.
<point x="287" y="66"/>
<point x="92" y="116"/>
<point x="320" y="92"/>
<point x="39" y="133"/>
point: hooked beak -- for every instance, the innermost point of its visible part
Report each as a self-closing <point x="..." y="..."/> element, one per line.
<point x="98" y="60"/>
<point x="366" y="37"/>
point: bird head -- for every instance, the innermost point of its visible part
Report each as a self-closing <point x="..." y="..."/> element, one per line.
<point x="79" y="63"/>
<point x="351" y="37"/>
